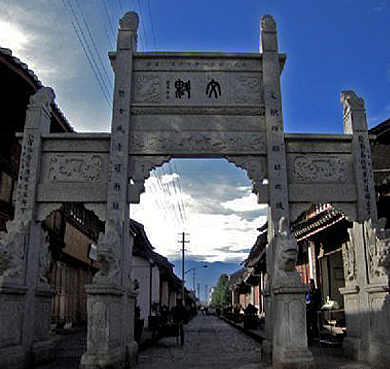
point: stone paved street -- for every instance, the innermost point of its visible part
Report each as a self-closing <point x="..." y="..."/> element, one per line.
<point x="209" y="343"/>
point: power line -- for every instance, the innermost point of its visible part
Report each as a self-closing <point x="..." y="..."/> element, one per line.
<point x="108" y="17"/>
<point x="94" y="44"/>
<point x="143" y="24"/>
<point x="120" y="6"/>
<point x="151" y="24"/>
<point x="90" y="58"/>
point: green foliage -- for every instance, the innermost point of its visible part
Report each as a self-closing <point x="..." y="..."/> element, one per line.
<point x="222" y="296"/>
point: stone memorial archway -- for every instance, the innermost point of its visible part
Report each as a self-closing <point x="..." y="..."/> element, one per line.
<point x="169" y="105"/>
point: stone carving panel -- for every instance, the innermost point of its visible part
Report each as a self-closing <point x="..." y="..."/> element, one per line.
<point x="76" y="168"/>
<point x="178" y="63"/>
<point x="247" y="90"/>
<point x="147" y="88"/>
<point x="198" y="110"/>
<point x="193" y="142"/>
<point x="319" y="170"/>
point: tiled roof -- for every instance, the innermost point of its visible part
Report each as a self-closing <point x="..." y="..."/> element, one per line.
<point x="33" y="80"/>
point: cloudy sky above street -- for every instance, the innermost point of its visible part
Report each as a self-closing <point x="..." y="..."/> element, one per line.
<point x="331" y="46"/>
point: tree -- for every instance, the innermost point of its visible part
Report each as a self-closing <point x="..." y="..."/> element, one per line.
<point x="222" y="296"/>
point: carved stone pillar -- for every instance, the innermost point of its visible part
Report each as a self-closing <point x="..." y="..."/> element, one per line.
<point x="366" y="293"/>
<point x="276" y="158"/>
<point x="111" y="297"/>
<point x="290" y="336"/>
<point x="25" y="296"/>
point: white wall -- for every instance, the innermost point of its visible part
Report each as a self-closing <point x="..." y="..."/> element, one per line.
<point x="141" y="272"/>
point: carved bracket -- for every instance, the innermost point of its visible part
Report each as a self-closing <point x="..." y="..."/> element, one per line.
<point x="255" y="168"/>
<point x="139" y="170"/>
<point x="46" y="208"/>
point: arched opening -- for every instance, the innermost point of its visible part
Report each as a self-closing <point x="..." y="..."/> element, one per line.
<point x="212" y="202"/>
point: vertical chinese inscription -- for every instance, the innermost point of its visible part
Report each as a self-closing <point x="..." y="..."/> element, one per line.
<point x="366" y="170"/>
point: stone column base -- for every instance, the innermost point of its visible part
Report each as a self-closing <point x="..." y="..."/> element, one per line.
<point x="353" y="348"/>
<point x="110" y="341"/>
<point x="12" y="357"/>
<point x="113" y="358"/>
<point x="379" y="354"/>
<point x="266" y="351"/>
<point x="43" y="352"/>
<point x="284" y="358"/>
<point x="132" y="354"/>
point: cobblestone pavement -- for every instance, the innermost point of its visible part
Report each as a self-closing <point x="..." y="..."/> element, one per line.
<point x="210" y="343"/>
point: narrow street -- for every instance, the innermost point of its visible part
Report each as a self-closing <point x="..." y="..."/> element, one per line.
<point x="209" y="343"/>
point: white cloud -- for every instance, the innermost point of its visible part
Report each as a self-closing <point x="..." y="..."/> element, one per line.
<point x="246" y="203"/>
<point x="12" y="37"/>
<point x="168" y="178"/>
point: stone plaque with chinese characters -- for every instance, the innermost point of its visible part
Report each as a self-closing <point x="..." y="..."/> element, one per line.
<point x="197" y="82"/>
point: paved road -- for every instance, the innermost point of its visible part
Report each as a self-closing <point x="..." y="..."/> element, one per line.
<point x="210" y="343"/>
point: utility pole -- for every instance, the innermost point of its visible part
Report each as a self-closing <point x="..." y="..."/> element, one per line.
<point x="199" y="291"/>
<point x="183" y="242"/>
<point x="206" y="290"/>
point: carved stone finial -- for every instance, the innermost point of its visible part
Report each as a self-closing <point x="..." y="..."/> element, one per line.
<point x="350" y="100"/>
<point x="129" y="21"/>
<point x="268" y="23"/>
<point x="43" y="98"/>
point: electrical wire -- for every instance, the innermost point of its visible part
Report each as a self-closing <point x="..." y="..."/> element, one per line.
<point x="84" y="45"/>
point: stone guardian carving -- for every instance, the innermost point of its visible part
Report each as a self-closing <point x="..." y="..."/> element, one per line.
<point x="286" y="257"/>
<point x="108" y="243"/>
<point x="13" y="249"/>
<point x="378" y="247"/>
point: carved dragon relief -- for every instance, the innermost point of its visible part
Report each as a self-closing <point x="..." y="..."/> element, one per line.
<point x="378" y="247"/>
<point x="13" y="249"/>
<point x="254" y="166"/>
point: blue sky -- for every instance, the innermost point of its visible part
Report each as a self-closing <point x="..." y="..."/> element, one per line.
<point x="331" y="46"/>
